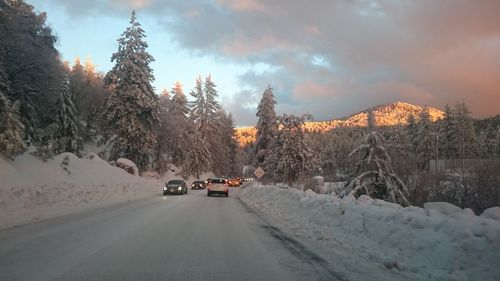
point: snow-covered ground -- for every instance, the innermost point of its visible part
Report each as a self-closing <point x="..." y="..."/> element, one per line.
<point x="437" y="242"/>
<point x="31" y="189"/>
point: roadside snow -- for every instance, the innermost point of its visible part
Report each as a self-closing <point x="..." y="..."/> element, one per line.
<point x="439" y="242"/>
<point x="31" y="189"/>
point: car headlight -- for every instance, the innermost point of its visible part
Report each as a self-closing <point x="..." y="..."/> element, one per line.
<point x="192" y="184"/>
<point x="179" y="188"/>
<point x="164" y="188"/>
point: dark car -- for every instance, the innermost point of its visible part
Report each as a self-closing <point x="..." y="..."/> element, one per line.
<point x="175" y="187"/>
<point x="199" y="184"/>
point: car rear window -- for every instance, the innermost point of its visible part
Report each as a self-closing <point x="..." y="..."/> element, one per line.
<point x="175" y="182"/>
<point x="218" y="181"/>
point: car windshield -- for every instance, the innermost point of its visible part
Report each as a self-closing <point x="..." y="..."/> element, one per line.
<point x="198" y="182"/>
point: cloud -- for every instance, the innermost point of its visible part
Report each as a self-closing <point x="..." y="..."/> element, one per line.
<point x="352" y="54"/>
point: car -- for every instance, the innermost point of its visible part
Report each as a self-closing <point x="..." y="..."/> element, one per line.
<point x="233" y="182"/>
<point x="198" y="184"/>
<point x="218" y="186"/>
<point x="175" y="187"/>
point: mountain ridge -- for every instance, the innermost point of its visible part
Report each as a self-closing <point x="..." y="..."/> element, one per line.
<point x="391" y="114"/>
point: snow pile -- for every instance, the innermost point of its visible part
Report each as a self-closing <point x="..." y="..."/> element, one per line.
<point x="439" y="242"/>
<point x="31" y="189"/>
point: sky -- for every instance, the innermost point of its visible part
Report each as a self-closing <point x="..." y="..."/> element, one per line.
<point x="330" y="58"/>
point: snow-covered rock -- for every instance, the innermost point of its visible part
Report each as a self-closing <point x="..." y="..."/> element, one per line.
<point x="127" y="165"/>
<point x="441" y="208"/>
<point x="492" y="213"/>
<point x="440" y="242"/>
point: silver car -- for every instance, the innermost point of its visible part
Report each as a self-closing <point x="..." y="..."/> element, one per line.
<point x="218" y="186"/>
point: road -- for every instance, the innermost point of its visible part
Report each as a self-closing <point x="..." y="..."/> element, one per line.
<point x="188" y="237"/>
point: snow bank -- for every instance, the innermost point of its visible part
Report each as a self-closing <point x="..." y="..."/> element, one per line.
<point x="31" y="189"/>
<point x="439" y="242"/>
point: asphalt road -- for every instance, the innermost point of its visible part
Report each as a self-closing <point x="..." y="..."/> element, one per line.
<point x="179" y="237"/>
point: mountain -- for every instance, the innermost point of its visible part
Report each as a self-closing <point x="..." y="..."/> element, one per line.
<point x="385" y="115"/>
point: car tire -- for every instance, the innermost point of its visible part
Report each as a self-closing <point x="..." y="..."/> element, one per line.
<point x="208" y="194"/>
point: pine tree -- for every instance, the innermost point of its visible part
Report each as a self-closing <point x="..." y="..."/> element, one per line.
<point x="131" y="109"/>
<point x="448" y="145"/>
<point x="164" y="142"/>
<point x="266" y="125"/>
<point x="373" y="173"/>
<point x="198" y="158"/>
<point x="31" y="63"/>
<point x="212" y="106"/>
<point x="412" y="132"/>
<point x="11" y="128"/>
<point x="465" y="136"/>
<point x="425" y="139"/>
<point x="180" y="125"/>
<point x="370" y="119"/>
<point x="290" y="158"/>
<point x="67" y="138"/>
<point x="197" y="110"/>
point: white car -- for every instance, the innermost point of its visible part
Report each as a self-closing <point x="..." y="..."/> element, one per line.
<point x="218" y="186"/>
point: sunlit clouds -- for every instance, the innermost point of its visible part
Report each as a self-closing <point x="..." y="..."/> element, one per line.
<point x="347" y="54"/>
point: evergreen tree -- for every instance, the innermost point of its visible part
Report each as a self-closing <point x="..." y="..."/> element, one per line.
<point x="31" y="63"/>
<point x="370" y="119"/>
<point x="290" y="158"/>
<point x="67" y="138"/>
<point x="373" y="173"/>
<point x="212" y="106"/>
<point x="266" y="125"/>
<point x="131" y="109"/>
<point x="425" y="139"/>
<point x="198" y="111"/>
<point x="412" y="132"/>
<point x="180" y="125"/>
<point x="11" y="128"/>
<point x="198" y="159"/>
<point x="487" y="142"/>
<point x="448" y="145"/>
<point x="465" y="136"/>
<point x="164" y="143"/>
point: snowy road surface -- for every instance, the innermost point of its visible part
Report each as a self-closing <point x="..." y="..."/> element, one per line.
<point x="190" y="237"/>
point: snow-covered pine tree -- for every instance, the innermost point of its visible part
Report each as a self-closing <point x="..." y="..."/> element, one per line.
<point x="212" y="106"/>
<point x="198" y="159"/>
<point x="412" y="132"/>
<point x="447" y="138"/>
<point x="290" y="157"/>
<point x="370" y="120"/>
<point x="487" y="142"/>
<point x="164" y="138"/>
<point x="197" y="108"/>
<point x="465" y="136"/>
<point x="66" y="137"/>
<point x="373" y="173"/>
<point x="425" y="139"/>
<point x="131" y="109"/>
<point x="266" y="125"/>
<point x="11" y="127"/>
<point x="180" y="125"/>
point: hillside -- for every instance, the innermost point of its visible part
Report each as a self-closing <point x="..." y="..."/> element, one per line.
<point x="385" y="115"/>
